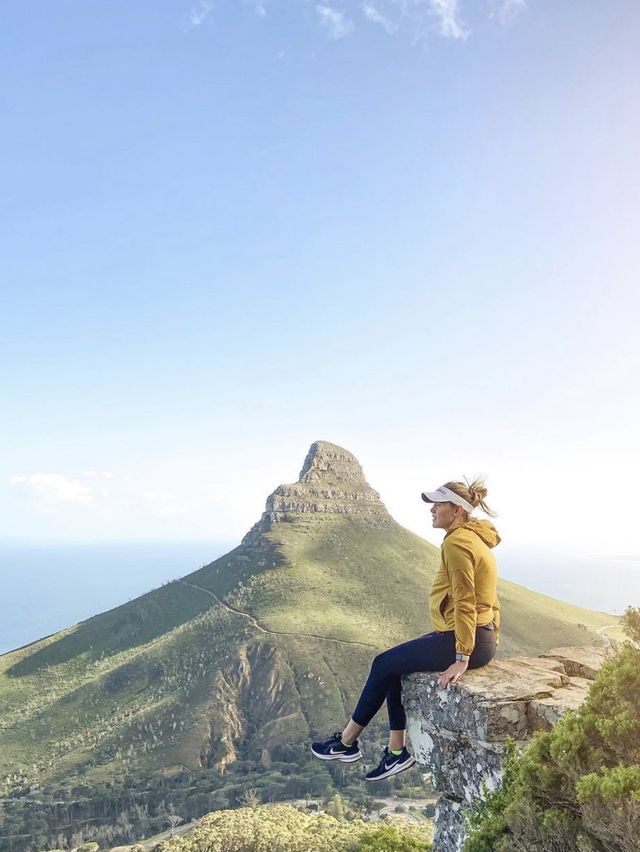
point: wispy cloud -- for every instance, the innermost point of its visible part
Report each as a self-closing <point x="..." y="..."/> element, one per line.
<point x="447" y="13"/>
<point x="335" y="22"/>
<point x="374" y="15"/>
<point x="200" y="12"/>
<point x="419" y="17"/>
<point x="506" y="10"/>
<point x="52" y="488"/>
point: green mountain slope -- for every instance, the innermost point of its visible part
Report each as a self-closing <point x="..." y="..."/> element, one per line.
<point x="264" y="646"/>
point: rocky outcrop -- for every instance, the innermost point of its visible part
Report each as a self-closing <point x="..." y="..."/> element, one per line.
<point x="331" y="482"/>
<point x="459" y="734"/>
<point x="255" y="700"/>
<point x="327" y="461"/>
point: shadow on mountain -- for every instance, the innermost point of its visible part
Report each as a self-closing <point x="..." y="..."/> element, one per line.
<point x="151" y="615"/>
<point x="127" y="626"/>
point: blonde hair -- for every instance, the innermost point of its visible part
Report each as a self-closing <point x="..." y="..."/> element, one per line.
<point x="473" y="492"/>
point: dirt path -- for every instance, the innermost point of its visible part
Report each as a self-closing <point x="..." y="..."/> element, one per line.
<point x="150" y="842"/>
<point x="262" y="629"/>
<point x="605" y="638"/>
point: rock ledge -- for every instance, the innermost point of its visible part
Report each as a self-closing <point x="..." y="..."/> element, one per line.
<point x="459" y="734"/>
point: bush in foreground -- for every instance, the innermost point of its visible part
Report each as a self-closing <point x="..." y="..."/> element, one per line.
<point x="575" y="788"/>
<point x="391" y="838"/>
<point x="283" y="828"/>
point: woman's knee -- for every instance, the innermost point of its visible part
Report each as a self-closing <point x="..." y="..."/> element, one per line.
<point x="482" y="655"/>
<point x="381" y="664"/>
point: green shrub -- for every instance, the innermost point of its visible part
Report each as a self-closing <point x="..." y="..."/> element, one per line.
<point x="283" y="828"/>
<point x="279" y="828"/>
<point x="390" y="838"/>
<point x="575" y="788"/>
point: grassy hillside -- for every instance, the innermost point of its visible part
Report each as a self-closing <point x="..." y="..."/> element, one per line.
<point x="266" y="646"/>
<point x="139" y="687"/>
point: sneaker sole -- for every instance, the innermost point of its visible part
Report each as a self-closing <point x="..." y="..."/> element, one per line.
<point x="398" y="767"/>
<point x="349" y="759"/>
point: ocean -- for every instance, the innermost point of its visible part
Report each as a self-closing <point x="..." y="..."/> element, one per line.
<point x="604" y="583"/>
<point x="45" y="588"/>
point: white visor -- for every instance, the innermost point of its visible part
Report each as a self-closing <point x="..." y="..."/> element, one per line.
<point x="445" y="495"/>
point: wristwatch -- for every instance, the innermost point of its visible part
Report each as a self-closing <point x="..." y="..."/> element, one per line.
<point x="462" y="658"/>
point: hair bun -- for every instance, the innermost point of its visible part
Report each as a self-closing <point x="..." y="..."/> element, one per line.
<point x="473" y="492"/>
<point x="477" y="491"/>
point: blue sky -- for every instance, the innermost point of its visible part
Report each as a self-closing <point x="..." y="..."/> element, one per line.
<point x="230" y="229"/>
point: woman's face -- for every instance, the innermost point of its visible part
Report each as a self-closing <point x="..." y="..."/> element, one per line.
<point x="443" y="515"/>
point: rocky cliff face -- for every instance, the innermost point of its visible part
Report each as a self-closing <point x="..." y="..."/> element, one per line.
<point x="254" y="698"/>
<point x="459" y="734"/>
<point x="331" y="482"/>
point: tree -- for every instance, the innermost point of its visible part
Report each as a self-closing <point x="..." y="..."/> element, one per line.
<point x="250" y="799"/>
<point x="576" y="788"/>
<point x="336" y="808"/>
<point x="631" y="624"/>
<point x="172" y="821"/>
<point x="389" y="838"/>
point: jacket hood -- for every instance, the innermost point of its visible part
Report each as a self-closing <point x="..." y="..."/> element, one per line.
<point x="485" y="531"/>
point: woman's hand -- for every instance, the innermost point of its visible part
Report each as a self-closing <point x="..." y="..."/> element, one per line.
<point x="452" y="674"/>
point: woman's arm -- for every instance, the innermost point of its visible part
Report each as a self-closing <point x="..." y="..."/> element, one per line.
<point x="460" y="567"/>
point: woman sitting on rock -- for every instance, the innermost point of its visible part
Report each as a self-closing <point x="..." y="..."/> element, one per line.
<point x="465" y="617"/>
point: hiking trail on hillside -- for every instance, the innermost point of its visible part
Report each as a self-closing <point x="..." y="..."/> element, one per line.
<point x="275" y="632"/>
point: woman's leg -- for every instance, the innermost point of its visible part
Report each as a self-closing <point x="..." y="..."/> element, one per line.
<point x="485" y="648"/>
<point x="351" y="732"/>
<point x="483" y="653"/>
<point x="433" y="652"/>
<point x="397" y="740"/>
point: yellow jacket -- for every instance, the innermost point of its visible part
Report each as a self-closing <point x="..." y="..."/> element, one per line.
<point x="464" y="593"/>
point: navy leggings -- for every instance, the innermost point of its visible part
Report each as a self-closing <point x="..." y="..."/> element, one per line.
<point x="434" y="652"/>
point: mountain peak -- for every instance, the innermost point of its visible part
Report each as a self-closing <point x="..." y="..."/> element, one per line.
<point x="331" y="483"/>
<point x="326" y="461"/>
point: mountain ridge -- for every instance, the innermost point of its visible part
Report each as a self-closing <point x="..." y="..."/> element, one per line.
<point x="343" y="489"/>
<point x="267" y="645"/>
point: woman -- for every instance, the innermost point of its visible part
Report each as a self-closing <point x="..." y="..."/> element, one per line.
<point x="465" y="617"/>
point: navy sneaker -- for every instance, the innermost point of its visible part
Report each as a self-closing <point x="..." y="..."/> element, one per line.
<point x="390" y="765"/>
<point x="334" y="749"/>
